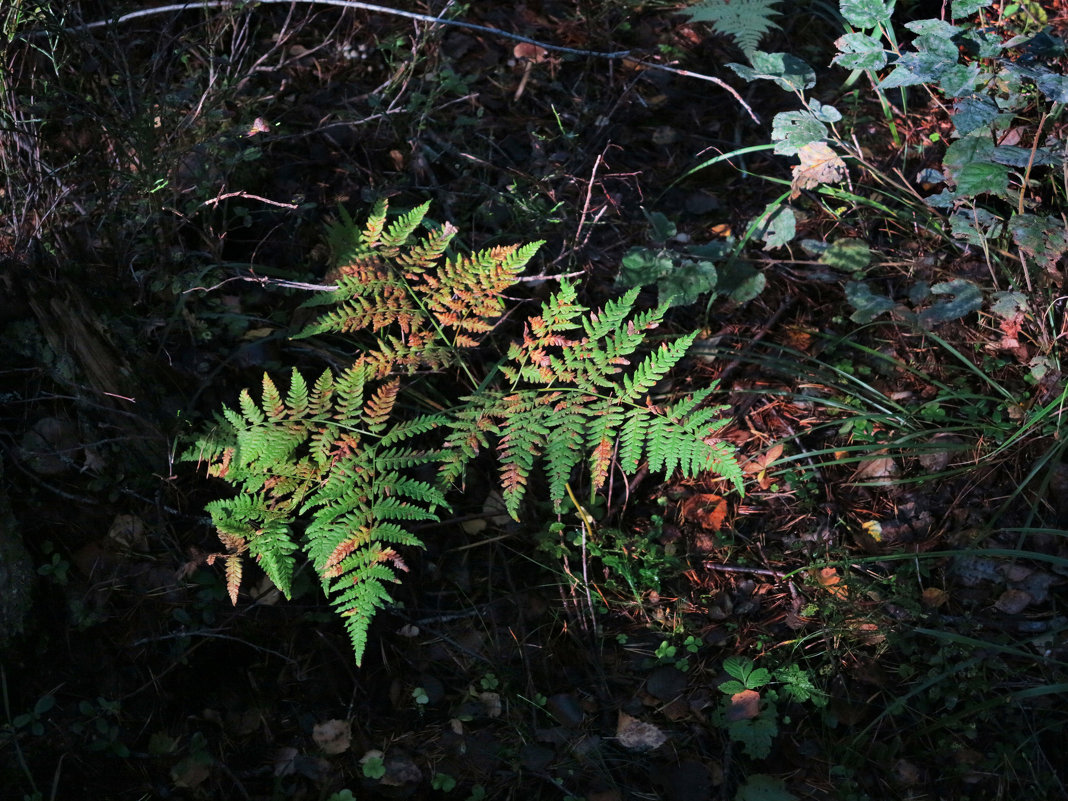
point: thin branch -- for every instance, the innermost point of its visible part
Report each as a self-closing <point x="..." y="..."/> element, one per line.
<point x="234" y="4"/>
<point x="219" y="198"/>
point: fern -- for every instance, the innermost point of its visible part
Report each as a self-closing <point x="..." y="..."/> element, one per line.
<point x="325" y="472"/>
<point x="745" y="21"/>
<point x="573" y="393"/>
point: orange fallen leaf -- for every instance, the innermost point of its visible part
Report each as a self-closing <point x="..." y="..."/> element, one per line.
<point x="933" y="597"/>
<point x="828" y="578"/>
<point x="744" y="705"/>
<point x="759" y="465"/>
<point x="708" y="510"/>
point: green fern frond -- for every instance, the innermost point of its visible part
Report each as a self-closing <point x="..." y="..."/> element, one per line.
<point x="334" y="461"/>
<point x="595" y="396"/>
<point x="398" y="234"/>
<point x="745" y="21"/>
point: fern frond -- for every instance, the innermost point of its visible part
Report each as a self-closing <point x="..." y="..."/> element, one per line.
<point x="234" y="570"/>
<point x="335" y="458"/>
<point x="655" y="366"/>
<point x="378" y="409"/>
<point x="397" y="235"/>
<point x="745" y="21"/>
<point x="376" y="222"/>
<point x="564" y="447"/>
<point x="632" y="439"/>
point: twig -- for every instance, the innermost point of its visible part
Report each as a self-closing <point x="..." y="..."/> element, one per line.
<point x="210" y="4"/>
<point x="758" y="571"/>
<point x="589" y="193"/>
<point x="216" y="200"/>
<point x="265" y="281"/>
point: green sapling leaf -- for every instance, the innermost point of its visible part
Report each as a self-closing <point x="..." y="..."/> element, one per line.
<point x="787" y="71"/>
<point x="792" y="130"/>
<point x="851" y="255"/>
<point x="867" y="14"/>
<point x="858" y="51"/>
<point x="1007" y="304"/>
<point x="867" y="304"/>
<point x="965" y="8"/>
<point x="967" y="297"/>
<point x="978" y="179"/>
<point x="779" y="226"/>
<point x="761" y="787"/>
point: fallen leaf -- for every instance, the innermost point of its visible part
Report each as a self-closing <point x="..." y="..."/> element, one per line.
<point x="333" y="736"/>
<point x="759" y="465"/>
<point x="874" y="529"/>
<point x="1012" y="602"/>
<point x="828" y="578"/>
<point x="491" y="702"/>
<point x="933" y="597"/>
<point x="127" y="532"/>
<point x="880" y="471"/>
<point x="636" y="735"/>
<point x="744" y="705"/>
<point x="708" y="510"/>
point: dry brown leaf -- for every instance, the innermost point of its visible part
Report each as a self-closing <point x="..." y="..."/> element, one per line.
<point x="798" y="338"/>
<point x="933" y="597"/>
<point x="760" y="463"/>
<point x="828" y="578"/>
<point x="706" y="509"/>
<point x="819" y="165"/>
<point x="744" y="705"/>
<point x="1012" y="602"/>
<point x="636" y="735"/>
<point x="333" y="736"/>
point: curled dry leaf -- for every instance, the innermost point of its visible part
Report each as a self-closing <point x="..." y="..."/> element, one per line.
<point x="528" y="51"/>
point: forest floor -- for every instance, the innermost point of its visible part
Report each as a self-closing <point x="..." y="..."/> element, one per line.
<point x="880" y="616"/>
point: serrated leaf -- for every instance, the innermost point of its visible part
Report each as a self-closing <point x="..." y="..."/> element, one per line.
<point x="981" y="178"/>
<point x="1054" y="87"/>
<point x="787" y="71"/>
<point x="1014" y="156"/>
<point x="974" y="113"/>
<point x="965" y="8"/>
<point x="1007" y="304"/>
<point x="1039" y="237"/>
<point x="687" y="282"/>
<point x="741" y="282"/>
<point x="824" y="112"/>
<point x="858" y="51"/>
<point x="958" y="80"/>
<point x="792" y="130"/>
<point x="867" y="14"/>
<point x="933" y="27"/>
